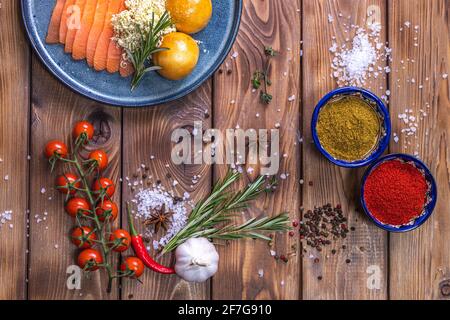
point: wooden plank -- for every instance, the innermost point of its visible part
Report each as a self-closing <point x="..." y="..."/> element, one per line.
<point x="367" y="245"/>
<point x="55" y="109"/>
<point x="277" y="24"/>
<point x="420" y="260"/>
<point x="147" y="140"/>
<point x="14" y="119"/>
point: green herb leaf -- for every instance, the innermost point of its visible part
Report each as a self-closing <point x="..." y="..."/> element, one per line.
<point x="270" y="52"/>
<point x="266" y="98"/>
<point x="211" y="217"/>
<point x="263" y="76"/>
<point x="149" y="46"/>
<point x="256" y="79"/>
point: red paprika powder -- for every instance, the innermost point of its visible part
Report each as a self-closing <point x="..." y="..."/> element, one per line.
<point x="395" y="192"/>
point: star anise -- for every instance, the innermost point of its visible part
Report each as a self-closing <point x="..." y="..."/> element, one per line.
<point x="159" y="218"/>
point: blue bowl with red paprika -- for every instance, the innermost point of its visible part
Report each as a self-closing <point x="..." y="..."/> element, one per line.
<point x="351" y="127"/>
<point x="398" y="193"/>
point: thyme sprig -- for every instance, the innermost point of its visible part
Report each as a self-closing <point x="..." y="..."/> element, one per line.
<point x="211" y="217"/>
<point x="149" y="46"/>
<point x="262" y="77"/>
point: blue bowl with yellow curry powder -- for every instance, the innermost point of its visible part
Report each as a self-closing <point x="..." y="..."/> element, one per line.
<point x="351" y="127"/>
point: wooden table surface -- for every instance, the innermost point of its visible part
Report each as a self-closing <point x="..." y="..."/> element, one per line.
<point x="35" y="107"/>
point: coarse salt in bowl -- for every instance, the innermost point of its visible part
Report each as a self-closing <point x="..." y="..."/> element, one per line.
<point x="382" y="112"/>
<point x="431" y="194"/>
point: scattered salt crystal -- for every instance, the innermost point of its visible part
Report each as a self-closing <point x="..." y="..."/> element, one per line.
<point x="149" y="200"/>
<point x="445" y="76"/>
<point x="6" y="178"/>
<point x="330" y="18"/>
<point x="334" y="47"/>
<point x="43" y="190"/>
<point x="260" y="273"/>
<point x="5" y="217"/>
<point x="353" y="66"/>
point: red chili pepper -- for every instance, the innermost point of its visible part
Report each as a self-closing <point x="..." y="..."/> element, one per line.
<point x="141" y="251"/>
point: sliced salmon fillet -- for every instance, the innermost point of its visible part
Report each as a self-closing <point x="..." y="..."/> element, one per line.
<point x="126" y="67"/>
<point x="55" y="22"/>
<point x="81" y="38"/>
<point x="114" y="50"/>
<point x="64" y="17"/>
<point x="113" y="57"/>
<point x="101" y="52"/>
<point x="75" y="24"/>
<point x="96" y="30"/>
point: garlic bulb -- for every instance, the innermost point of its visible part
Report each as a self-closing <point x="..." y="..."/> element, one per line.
<point x="196" y="260"/>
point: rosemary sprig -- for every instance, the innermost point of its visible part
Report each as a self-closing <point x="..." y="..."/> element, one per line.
<point x="220" y="207"/>
<point x="252" y="228"/>
<point x="148" y="47"/>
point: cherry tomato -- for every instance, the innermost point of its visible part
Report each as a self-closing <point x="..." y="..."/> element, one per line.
<point x="104" y="183"/>
<point x="89" y="258"/>
<point x="105" y="207"/>
<point x="83" y="237"/>
<point x="74" y="205"/>
<point x="122" y="235"/>
<point x="66" y="181"/>
<point x="100" y="157"/>
<point x="134" y="264"/>
<point x="83" y="127"/>
<point x="56" y="147"/>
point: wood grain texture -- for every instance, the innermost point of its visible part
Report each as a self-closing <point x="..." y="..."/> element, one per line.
<point x="420" y="260"/>
<point x="14" y="119"/>
<point x="147" y="140"/>
<point x="55" y="109"/>
<point x="277" y="24"/>
<point x="329" y="183"/>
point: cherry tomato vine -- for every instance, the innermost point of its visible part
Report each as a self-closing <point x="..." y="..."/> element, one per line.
<point x="89" y="202"/>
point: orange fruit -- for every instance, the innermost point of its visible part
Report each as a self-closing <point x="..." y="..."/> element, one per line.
<point x="181" y="58"/>
<point x="190" y="16"/>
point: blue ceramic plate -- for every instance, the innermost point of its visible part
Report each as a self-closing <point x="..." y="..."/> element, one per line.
<point x="382" y="112"/>
<point x="432" y="193"/>
<point x="215" y="42"/>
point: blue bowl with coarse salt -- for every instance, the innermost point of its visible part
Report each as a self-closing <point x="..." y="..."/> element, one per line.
<point x="385" y="122"/>
<point x="431" y="194"/>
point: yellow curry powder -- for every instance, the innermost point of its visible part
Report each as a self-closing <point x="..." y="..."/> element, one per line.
<point x="348" y="128"/>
